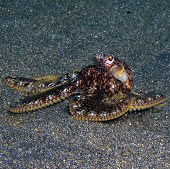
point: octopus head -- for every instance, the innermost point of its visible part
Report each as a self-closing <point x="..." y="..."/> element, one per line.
<point x="106" y="61"/>
<point x="117" y="67"/>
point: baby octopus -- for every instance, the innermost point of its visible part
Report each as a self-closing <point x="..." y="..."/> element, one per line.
<point x="104" y="91"/>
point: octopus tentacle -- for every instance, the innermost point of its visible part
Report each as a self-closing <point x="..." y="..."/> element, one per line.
<point x="96" y="108"/>
<point x="19" y="83"/>
<point x="38" y="84"/>
<point x="103" y="108"/>
<point x="146" y="100"/>
<point x="42" y="100"/>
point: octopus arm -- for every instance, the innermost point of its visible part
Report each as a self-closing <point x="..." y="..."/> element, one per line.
<point x="42" y="100"/>
<point x="146" y="100"/>
<point x="38" y="84"/>
<point x="99" y="107"/>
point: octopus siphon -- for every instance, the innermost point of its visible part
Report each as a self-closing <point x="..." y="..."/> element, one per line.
<point x="102" y="92"/>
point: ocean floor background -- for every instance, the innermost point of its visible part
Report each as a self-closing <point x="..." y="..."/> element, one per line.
<point x="44" y="37"/>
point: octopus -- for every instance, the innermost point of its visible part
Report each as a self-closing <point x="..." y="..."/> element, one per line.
<point x="101" y="92"/>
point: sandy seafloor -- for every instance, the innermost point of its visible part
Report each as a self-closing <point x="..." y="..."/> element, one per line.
<point x="43" y="37"/>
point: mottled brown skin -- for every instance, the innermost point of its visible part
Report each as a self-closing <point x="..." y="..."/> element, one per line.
<point x="90" y="81"/>
<point x="102" y="96"/>
<point x="93" y="79"/>
<point x="109" y="62"/>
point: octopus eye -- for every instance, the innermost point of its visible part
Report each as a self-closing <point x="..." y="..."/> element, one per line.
<point x="110" y="57"/>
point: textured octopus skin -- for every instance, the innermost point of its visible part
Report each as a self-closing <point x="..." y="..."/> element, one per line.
<point x="90" y="81"/>
<point x="104" y="93"/>
<point x="109" y="62"/>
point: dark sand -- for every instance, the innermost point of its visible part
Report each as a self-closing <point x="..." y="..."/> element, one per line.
<point x="41" y="37"/>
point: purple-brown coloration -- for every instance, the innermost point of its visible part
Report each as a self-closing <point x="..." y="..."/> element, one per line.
<point x="105" y="91"/>
<point x="112" y="64"/>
